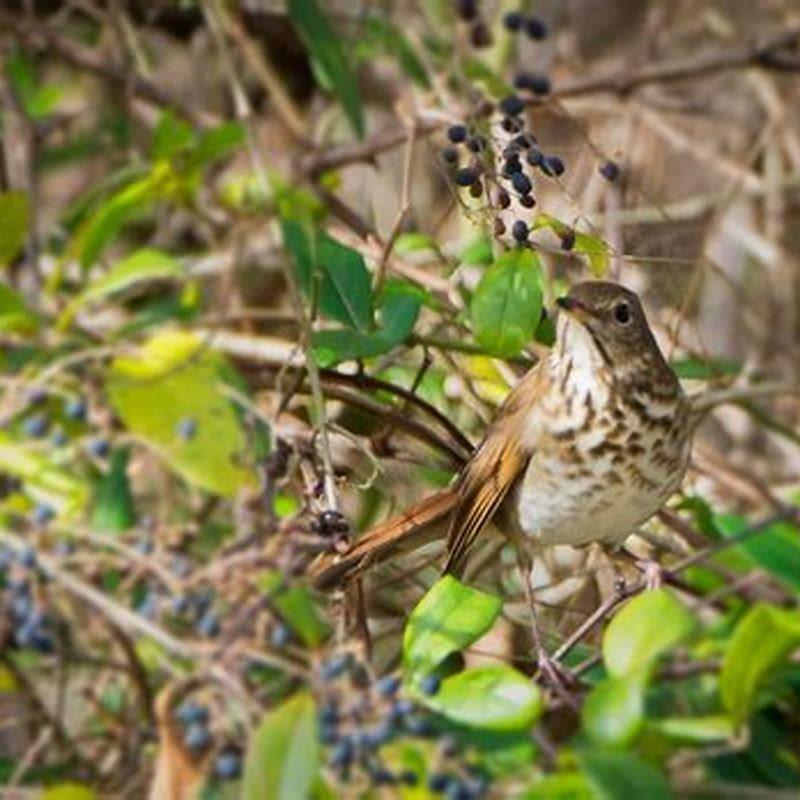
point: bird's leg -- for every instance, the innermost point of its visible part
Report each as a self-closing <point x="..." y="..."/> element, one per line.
<point x="652" y="572"/>
<point x="548" y="667"/>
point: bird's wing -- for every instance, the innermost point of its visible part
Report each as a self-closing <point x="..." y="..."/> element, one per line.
<point x="494" y="469"/>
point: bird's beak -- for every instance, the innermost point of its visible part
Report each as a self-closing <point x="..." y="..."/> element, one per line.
<point x="575" y="309"/>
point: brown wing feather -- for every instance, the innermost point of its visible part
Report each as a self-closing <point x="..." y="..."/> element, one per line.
<point x="494" y="469"/>
<point x="405" y="532"/>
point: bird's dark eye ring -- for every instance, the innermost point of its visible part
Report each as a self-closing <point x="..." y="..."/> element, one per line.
<point x="622" y="313"/>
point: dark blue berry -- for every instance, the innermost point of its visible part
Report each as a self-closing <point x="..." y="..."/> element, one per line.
<point x="512" y="166"/>
<point x="144" y="546"/>
<point x="480" y="35"/>
<point x="208" y="624"/>
<point x="37" y="396"/>
<point x="466" y="176"/>
<point x="280" y="635"/>
<point x="335" y="666"/>
<point x="42" y="514"/>
<point x="535" y="157"/>
<point x="419" y="726"/>
<point x="227" y="765"/>
<point x="341" y="754"/>
<point x="553" y="165"/>
<point x="519" y="230"/>
<point x="513" y="21"/>
<point x="521" y="183"/>
<point x="512" y="105"/>
<point x="388" y="686"/>
<point x="180" y="604"/>
<point x="533" y="82"/>
<point x="400" y="709"/>
<point x="535" y="28"/>
<point x="186" y="428"/>
<point x="75" y="409"/>
<point x="381" y="776"/>
<point x="450" y="155"/>
<point x="59" y="438"/>
<point x="457" y="133"/>
<point x="378" y="735"/>
<point x="430" y="684"/>
<point x="438" y="782"/>
<point x="609" y="170"/>
<point x="192" y="713"/>
<point x="36" y="425"/>
<point x="98" y="448"/>
<point x="329" y="714"/>
<point x="197" y="737"/>
<point x="467" y="9"/>
<point x="408" y="777"/>
<point x="27" y="558"/>
<point x="477" y="143"/>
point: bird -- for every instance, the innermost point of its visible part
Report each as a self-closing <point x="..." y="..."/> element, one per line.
<point x="588" y="445"/>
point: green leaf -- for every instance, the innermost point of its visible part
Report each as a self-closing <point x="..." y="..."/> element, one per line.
<point x="776" y="548"/>
<point x="449" y="617"/>
<point x="613" y="713"/>
<point x="398" y="308"/>
<point x="44" y="481"/>
<point x="648" y="626"/>
<point x="389" y="37"/>
<point x="140" y="267"/>
<point x="696" y="730"/>
<point x="593" y="247"/>
<point x="705" y="369"/>
<point x="113" y="504"/>
<point x="761" y="641"/>
<point x="295" y="606"/>
<point x="174" y="378"/>
<point x="487" y="79"/>
<point x="493" y="698"/>
<point x="170" y="136"/>
<point x="562" y="786"/>
<point x="215" y="143"/>
<point x="38" y="100"/>
<point x="478" y="251"/>
<point x="507" y="303"/>
<point x="15" y="317"/>
<point x="596" y="251"/>
<point x="621" y="776"/>
<point x="14" y="214"/>
<point x="283" y="755"/>
<point x="325" y="47"/>
<point x="104" y="225"/>
<point x="68" y="791"/>
<point x="345" y="293"/>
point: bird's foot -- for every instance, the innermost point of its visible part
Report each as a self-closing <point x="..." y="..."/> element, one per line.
<point x="553" y="673"/>
<point x="652" y="572"/>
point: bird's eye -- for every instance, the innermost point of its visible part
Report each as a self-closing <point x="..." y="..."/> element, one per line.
<point x="622" y="313"/>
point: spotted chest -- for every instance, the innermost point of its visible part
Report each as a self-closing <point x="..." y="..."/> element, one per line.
<point x="606" y="463"/>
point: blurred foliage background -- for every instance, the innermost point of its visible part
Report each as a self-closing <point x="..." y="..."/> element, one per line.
<point x="266" y="270"/>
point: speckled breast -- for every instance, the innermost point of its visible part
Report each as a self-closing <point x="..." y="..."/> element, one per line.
<point x="598" y="479"/>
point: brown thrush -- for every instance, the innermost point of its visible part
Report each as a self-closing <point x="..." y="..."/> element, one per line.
<point x="587" y="446"/>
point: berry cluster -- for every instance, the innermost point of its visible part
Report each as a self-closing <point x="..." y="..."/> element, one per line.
<point x="532" y="26"/>
<point x="197" y="738"/>
<point x="359" y="716"/>
<point x="519" y="158"/>
<point x="469" y="12"/>
<point x="31" y="627"/>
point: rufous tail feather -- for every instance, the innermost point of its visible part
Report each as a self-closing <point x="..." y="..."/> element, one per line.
<point x="410" y="530"/>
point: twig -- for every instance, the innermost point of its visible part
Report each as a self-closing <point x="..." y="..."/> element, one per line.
<point x="758" y="54"/>
<point x="403" y="211"/>
<point x="41" y="37"/>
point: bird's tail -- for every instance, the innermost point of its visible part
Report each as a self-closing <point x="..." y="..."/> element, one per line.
<point x="406" y="532"/>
